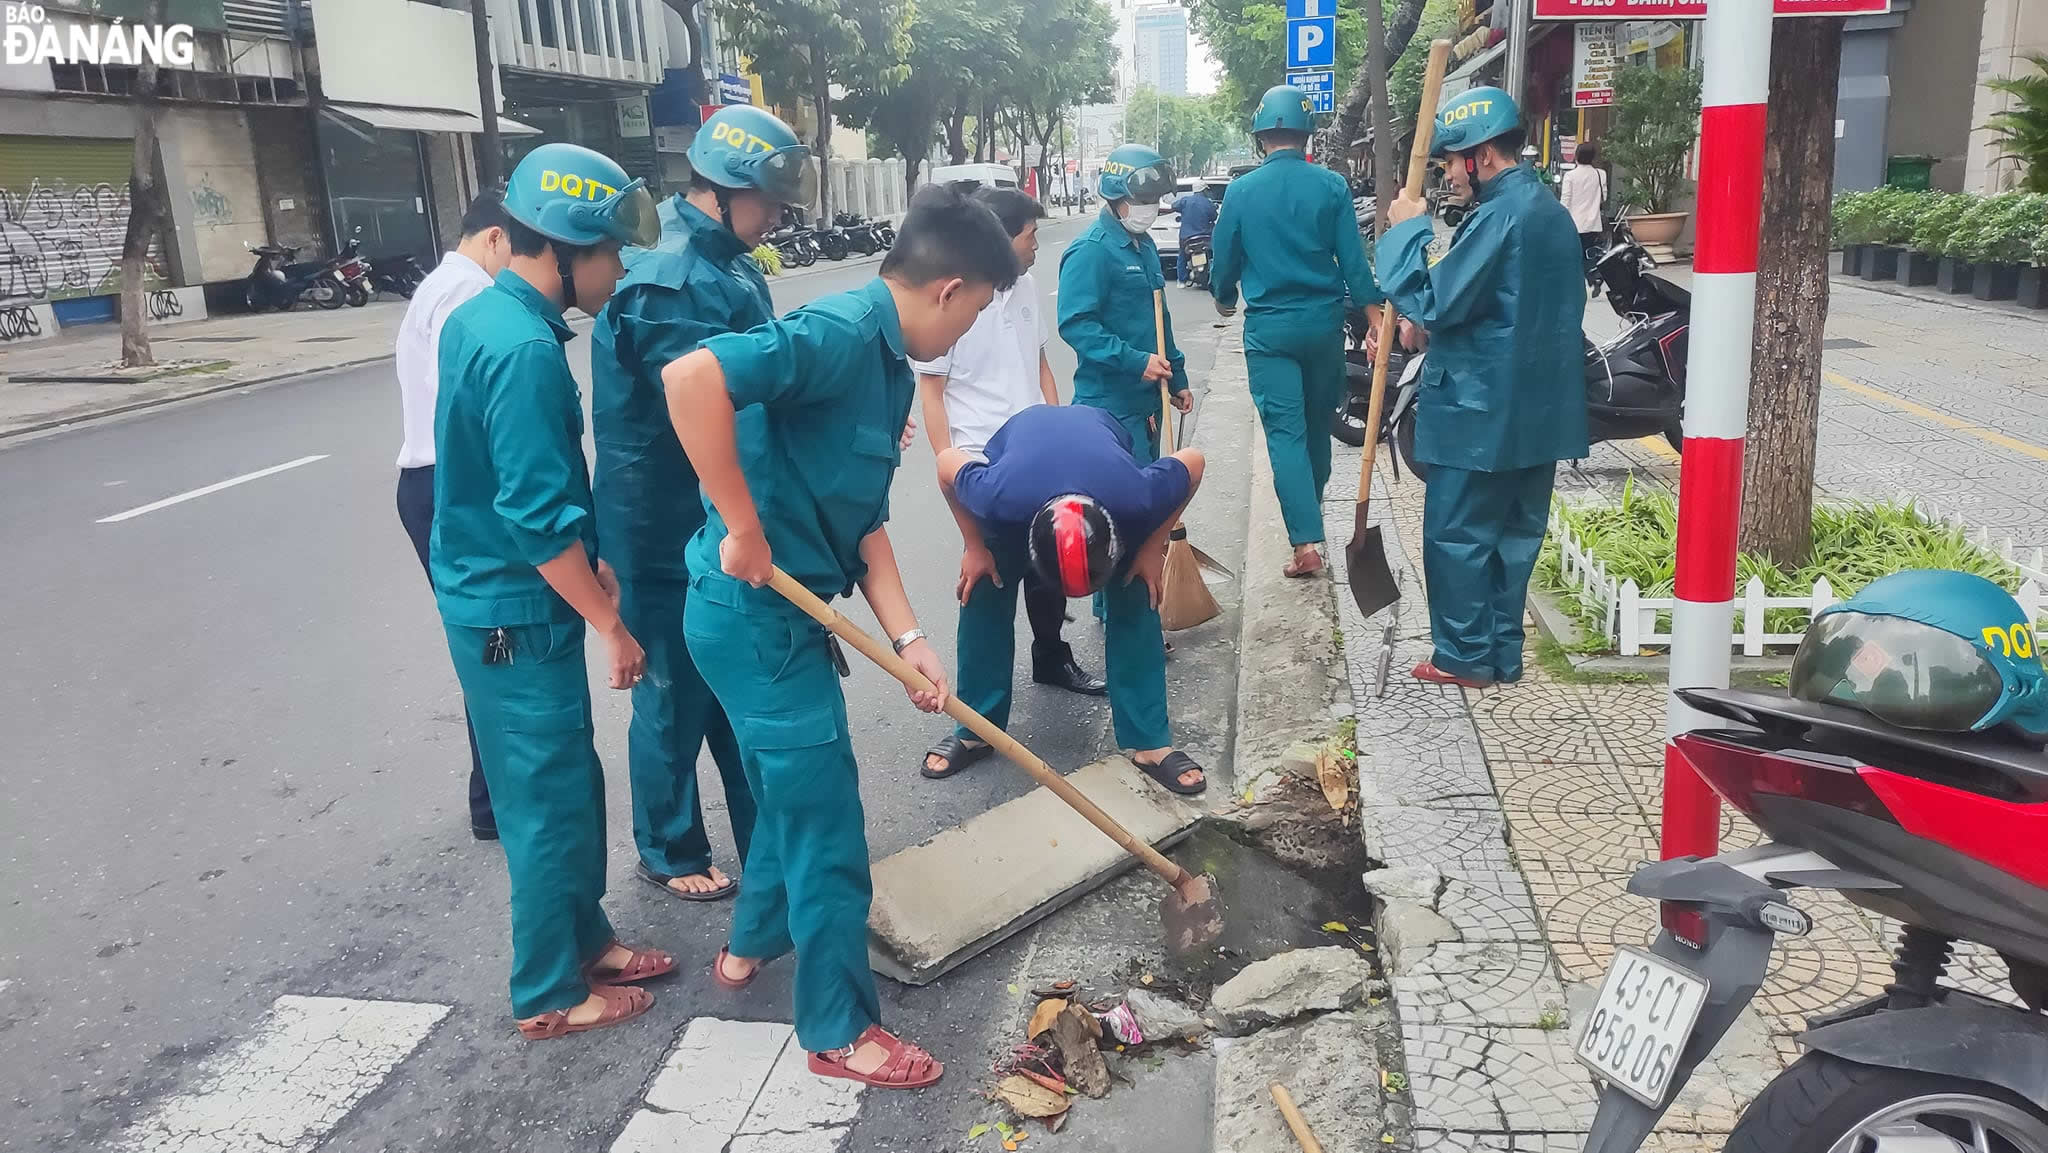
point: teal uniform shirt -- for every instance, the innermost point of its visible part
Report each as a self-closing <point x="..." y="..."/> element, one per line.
<point x="821" y="395"/>
<point x="1504" y="386"/>
<point x="698" y="282"/>
<point x="1107" y="277"/>
<point x="511" y="489"/>
<point x="1289" y="234"/>
<point x="834" y="390"/>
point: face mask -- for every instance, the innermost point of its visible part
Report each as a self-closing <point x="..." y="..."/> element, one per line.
<point x="1139" y="217"/>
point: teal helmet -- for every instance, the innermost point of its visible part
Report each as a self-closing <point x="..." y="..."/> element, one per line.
<point x="1473" y="118"/>
<point x="1136" y="173"/>
<point x="578" y="197"/>
<point x="742" y="146"/>
<point x="1928" y="649"/>
<point x="1285" y="108"/>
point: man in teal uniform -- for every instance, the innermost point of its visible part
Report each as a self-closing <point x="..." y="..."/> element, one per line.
<point x="1289" y="234"/>
<point x="516" y="575"/>
<point x="698" y="282"/>
<point x="1107" y="278"/>
<point x="793" y="429"/>
<point x="1503" y="392"/>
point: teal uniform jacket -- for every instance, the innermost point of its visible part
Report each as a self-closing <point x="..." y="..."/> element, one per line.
<point x="1504" y="385"/>
<point x="1289" y="234"/>
<point x="511" y="492"/>
<point x="696" y="283"/>
<point x="822" y="395"/>
<point x="1107" y="277"/>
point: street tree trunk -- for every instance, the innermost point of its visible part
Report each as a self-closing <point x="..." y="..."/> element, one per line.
<point x="1344" y="127"/>
<point x="145" y="208"/>
<point x="956" y="133"/>
<point x="1377" y="62"/>
<point x="490" y="155"/>
<point x="821" y="102"/>
<point x="1791" y="290"/>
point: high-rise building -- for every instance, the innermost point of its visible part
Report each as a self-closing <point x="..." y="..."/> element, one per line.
<point x="1162" y="48"/>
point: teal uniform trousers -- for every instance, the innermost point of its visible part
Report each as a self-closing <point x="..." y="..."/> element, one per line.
<point x="1297" y="381"/>
<point x="1481" y="532"/>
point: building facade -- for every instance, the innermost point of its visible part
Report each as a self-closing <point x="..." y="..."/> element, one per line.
<point x="1161" y="54"/>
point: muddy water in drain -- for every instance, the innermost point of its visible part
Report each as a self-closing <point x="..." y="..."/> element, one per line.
<point x="1269" y="908"/>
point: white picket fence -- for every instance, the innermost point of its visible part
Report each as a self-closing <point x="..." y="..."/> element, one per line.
<point x="1632" y="621"/>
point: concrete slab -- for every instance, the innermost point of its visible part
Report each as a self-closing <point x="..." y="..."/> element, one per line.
<point x="942" y="901"/>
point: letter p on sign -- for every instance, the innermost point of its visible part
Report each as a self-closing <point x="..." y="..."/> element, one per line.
<point x="1312" y="42"/>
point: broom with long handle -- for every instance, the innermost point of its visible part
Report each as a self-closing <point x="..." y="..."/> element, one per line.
<point x="1184" y="598"/>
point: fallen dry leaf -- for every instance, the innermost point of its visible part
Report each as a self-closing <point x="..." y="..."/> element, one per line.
<point x="1010" y="1146"/>
<point x="1336" y="927"/>
<point x="1145" y="980"/>
<point x="978" y="1132"/>
<point x="1056" y="1123"/>
<point x="1074" y="1035"/>
<point x="1335" y="781"/>
<point x="1028" y="1098"/>
<point x="1042" y="1019"/>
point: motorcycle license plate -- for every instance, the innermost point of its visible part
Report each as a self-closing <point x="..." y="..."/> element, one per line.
<point x="1201" y="260"/>
<point x="1646" y="1010"/>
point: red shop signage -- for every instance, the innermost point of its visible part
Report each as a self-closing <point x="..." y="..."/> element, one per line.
<point x="1693" y="9"/>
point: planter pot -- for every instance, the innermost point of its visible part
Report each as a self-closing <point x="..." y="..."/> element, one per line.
<point x="1881" y="262"/>
<point x="1956" y="277"/>
<point x="1997" y="282"/>
<point x="1852" y="259"/>
<point x="2034" y="287"/>
<point x="1916" y="269"/>
<point x="1657" y="227"/>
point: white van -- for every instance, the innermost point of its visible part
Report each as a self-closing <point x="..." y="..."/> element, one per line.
<point x="986" y="175"/>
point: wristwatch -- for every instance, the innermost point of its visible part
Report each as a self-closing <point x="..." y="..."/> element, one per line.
<point x="906" y="640"/>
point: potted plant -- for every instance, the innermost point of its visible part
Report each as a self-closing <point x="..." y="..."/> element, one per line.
<point x="1932" y="231"/>
<point x="1656" y="120"/>
<point x="1850" y="229"/>
<point x="1894" y="212"/>
<point x="2001" y="239"/>
<point x="1956" y="272"/>
<point x="2034" y="277"/>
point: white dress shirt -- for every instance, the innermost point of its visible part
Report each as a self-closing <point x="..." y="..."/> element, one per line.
<point x="453" y="281"/>
<point x="992" y="374"/>
<point x="1584" y="190"/>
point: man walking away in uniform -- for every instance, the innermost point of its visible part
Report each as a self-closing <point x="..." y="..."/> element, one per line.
<point x="1503" y="393"/>
<point x="997" y="371"/>
<point x="698" y="282"/>
<point x="1197" y="216"/>
<point x="793" y="431"/>
<point x="1058" y="493"/>
<point x="478" y="257"/>
<point x="1290" y="234"/>
<point x="515" y="571"/>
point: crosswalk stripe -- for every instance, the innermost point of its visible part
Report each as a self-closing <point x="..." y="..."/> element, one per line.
<point x="281" y="1091"/>
<point x="742" y="1087"/>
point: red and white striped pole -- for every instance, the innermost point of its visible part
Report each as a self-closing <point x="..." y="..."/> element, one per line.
<point x="1736" y="46"/>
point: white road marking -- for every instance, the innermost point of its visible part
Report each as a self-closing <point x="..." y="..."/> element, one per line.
<point x="209" y="490"/>
<point x="741" y="1086"/>
<point x="283" y="1089"/>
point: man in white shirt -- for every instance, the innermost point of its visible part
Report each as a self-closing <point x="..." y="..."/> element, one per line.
<point x="479" y="256"/>
<point x="996" y="371"/>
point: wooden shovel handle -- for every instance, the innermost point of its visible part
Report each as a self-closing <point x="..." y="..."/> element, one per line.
<point x="977" y="724"/>
<point x="1418" y="167"/>
<point x="1165" y="393"/>
<point x="1295" y="1121"/>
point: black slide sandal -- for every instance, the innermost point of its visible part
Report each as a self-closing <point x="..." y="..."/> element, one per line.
<point x="958" y="755"/>
<point x="1167" y="773"/>
<point x="648" y="875"/>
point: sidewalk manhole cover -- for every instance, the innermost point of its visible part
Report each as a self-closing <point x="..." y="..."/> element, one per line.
<point x="323" y="339"/>
<point x="1842" y="342"/>
<point x="208" y="339"/>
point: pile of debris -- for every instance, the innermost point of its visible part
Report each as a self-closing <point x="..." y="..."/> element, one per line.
<point x="1066" y="1039"/>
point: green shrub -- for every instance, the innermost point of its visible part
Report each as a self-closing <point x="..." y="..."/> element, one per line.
<point x="2001" y="229"/>
<point x="1896" y="212"/>
<point x="770" y="259"/>
<point x="1656" y="121"/>
<point x="1850" y="220"/>
<point x="1938" y="222"/>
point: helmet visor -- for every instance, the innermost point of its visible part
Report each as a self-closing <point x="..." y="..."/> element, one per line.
<point x="1149" y="183"/>
<point x="629" y="216"/>
<point x="787" y="176"/>
<point x="1903" y="672"/>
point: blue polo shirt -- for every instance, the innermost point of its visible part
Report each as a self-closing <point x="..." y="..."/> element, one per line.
<point x="1048" y="451"/>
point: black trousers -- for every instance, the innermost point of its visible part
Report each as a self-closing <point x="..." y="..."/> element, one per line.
<point x="416" y="513"/>
<point x="1046" y="608"/>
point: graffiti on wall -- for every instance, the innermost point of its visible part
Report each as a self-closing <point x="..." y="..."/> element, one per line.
<point x="208" y="205"/>
<point x="60" y="240"/>
<point x="19" y="322"/>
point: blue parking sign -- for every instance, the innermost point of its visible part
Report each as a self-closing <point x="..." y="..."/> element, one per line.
<point x="1310" y="9"/>
<point x="1312" y="42"/>
<point x="1314" y="80"/>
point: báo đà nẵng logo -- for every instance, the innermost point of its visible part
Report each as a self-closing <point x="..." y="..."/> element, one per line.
<point x="31" y="37"/>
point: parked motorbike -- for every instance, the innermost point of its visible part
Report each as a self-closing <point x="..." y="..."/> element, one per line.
<point x="1635" y="382"/>
<point x="279" y="282"/>
<point x="354" y="273"/>
<point x="1937" y="831"/>
<point x="886" y="233"/>
<point x="831" y="243"/>
<point x="859" y="232"/>
<point x="398" y="274"/>
<point x="797" y="252"/>
<point x="1197" y="253"/>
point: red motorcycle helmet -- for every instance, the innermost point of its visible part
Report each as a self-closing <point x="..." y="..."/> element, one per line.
<point x="1073" y="545"/>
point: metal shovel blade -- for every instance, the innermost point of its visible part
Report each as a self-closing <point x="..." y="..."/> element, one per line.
<point x="1365" y="565"/>
<point x="1190" y="914"/>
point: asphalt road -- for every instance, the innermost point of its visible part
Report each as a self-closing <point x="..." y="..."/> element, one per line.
<point x="233" y="765"/>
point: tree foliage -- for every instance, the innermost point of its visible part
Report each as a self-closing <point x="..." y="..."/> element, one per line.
<point x="1656" y="120"/>
<point x="1247" y="37"/>
<point x="1189" y="131"/>
<point x="2022" y="130"/>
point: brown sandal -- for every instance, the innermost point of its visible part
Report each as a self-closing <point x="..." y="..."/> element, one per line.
<point x="1295" y="568"/>
<point x="907" y="1066"/>
<point x="621" y="1004"/>
<point x="644" y="965"/>
<point x="729" y="984"/>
